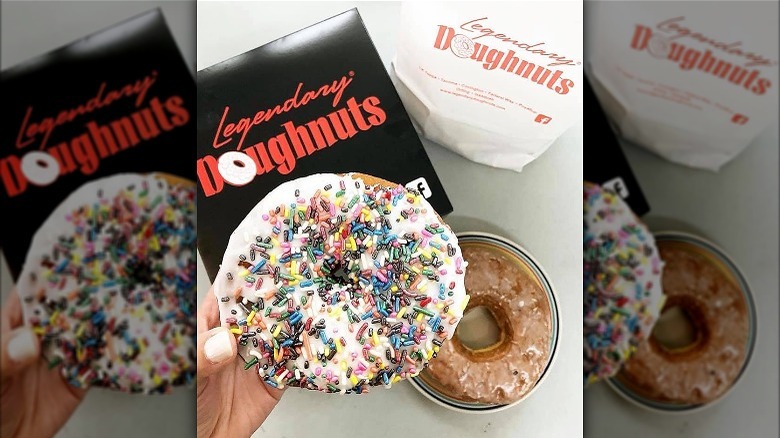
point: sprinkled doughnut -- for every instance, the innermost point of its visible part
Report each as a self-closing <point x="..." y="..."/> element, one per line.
<point x="340" y="282"/>
<point x="109" y="284"/>
<point x="622" y="283"/>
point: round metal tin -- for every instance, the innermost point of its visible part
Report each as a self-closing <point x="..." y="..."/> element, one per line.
<point x="430" y="388"/>
<point x="722" y="261"/>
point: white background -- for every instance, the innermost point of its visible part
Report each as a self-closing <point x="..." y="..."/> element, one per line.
<point x="540" y="208"/>
<point x="33" y="28"/>
<point x="737" y="208"/>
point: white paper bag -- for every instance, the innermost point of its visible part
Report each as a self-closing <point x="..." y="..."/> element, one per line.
<point x="495" y="82"/>
<point x="694" y="82"/>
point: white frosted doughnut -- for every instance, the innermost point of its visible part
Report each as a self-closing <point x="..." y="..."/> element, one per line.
<point x="237" y="168"/>
<point x="109" y="284"/>
<point x="623" y="295"/>
<point x="340" y="282"/>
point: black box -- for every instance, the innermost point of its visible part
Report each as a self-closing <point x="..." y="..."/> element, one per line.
<point x="65" y="103"/>
<point x="604" y="162"/>
<point x="316" y="101"/>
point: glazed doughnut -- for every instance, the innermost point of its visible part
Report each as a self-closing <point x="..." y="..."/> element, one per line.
<point x="109" y="284"/>
<point x="622" y="283"/>
<point x="718" y="310"/>
<point x="340" y="282"/>
<point x="509" y="369"/>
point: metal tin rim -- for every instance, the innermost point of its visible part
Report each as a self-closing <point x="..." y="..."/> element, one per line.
<point x="672" y="409"/>
<point x="442" y="400"/>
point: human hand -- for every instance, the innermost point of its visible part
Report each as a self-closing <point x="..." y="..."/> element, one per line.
<point x="232" y="402"/>
<point x="36" y="401"/>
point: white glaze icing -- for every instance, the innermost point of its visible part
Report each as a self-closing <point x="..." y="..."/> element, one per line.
<point x="231" y="278"/>
<point x="622" y="287"/>
<point x="168" y="354"/>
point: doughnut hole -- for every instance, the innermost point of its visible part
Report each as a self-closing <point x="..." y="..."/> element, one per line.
<point x="680" y="329"/>
<point x="339" y="274"/>
<point x="478" y="330"/>
<point x="484" y="331"/>
<point x="143" y="273"/>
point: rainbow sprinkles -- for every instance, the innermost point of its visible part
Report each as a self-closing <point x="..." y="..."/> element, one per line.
<point x="339" y="282"/>
<point x="622" y="289"/>
<point x="109" y="285"/>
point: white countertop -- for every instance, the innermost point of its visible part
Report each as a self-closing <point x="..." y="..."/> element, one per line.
<point x="541" y="211"/>
<point x="33" y="28"/>
<point x="737" y="208"/>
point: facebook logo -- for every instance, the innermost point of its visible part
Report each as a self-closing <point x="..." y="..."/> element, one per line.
<point x="420" y="185"/>
<point x="739" y="119"/>
<point x="618" y="186"/>
<point x="541" y="118"/>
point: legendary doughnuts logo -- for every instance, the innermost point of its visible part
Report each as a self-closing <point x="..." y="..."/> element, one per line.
<point x="465" y="45"/>
<point x="40" y="162"/>
<point x="664" y="42"/>
<point x="297" y="140"/>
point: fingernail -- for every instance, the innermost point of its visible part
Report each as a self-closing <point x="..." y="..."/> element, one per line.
<point x="219" y="346"/>
<point x="21" y="347"/>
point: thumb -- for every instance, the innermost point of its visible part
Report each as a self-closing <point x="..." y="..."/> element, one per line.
<point x="20" y="349"/>
<point x="216" y="349"/>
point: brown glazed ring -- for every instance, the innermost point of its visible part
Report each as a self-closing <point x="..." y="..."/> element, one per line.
<point x="507" y="370"/>
<point x="718" y="311"/>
